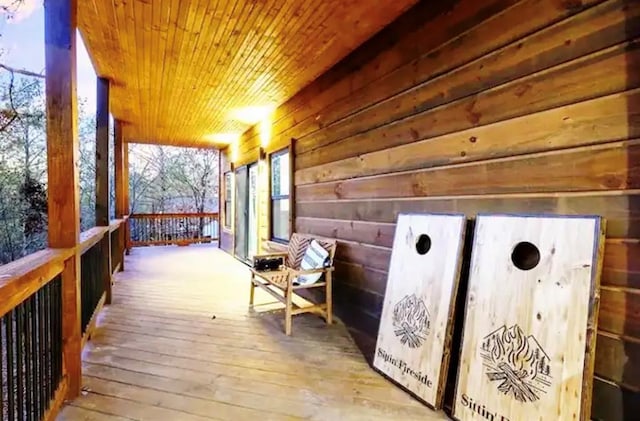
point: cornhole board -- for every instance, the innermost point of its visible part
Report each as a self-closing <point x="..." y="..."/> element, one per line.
<point x="530" y="319"/>
<point x="417" y="316"/>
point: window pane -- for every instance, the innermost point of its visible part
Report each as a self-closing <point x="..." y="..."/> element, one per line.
<point x="227" y="184"/>
<point x="227" y="213"/>
<point x="280" y="219"/>
<point x="280" y="175"/>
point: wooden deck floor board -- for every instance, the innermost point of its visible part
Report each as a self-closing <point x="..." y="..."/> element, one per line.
<point x="157" y="354"/>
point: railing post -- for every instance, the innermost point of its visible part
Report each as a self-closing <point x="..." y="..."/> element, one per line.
<point x="119" y="147"/>
<point x="62" y="155"/>
<point x="125" y="184"/>
<point x="102" y="181"/>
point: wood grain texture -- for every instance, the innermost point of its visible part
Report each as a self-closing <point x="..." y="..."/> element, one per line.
<point x="569" y="39"/>
<point x="119" y="170"/>
<point x="537" y="350"/>
<point x="416" y="326"/>
<point x="182" y="68"/>
<point x="91" y="237"/>
<point x="620" y="208"/>
<point x="527" y="106"/>
<point x="620" y="311"/>
<point x="158" y="354"/>
<point x="60" y="22"/>
<point x="102" y="181"/>
<point x="440" y="44"/>
<point x="102" y="153"/>
<point x="616" y="116"/>
<point x="121" y="207"/>
<point x="23" y="277"/>
<point x="612" y="166"/>
<point x="618" y="360"/>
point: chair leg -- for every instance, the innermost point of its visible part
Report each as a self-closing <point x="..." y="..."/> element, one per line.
<point x="329" y="299"/>
<point x="288" y="311"/>
<point x="252" y="289"/>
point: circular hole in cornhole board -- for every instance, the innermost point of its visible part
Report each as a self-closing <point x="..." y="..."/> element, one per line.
<point x="423" y="245"/>
<point x="525" y="256"/>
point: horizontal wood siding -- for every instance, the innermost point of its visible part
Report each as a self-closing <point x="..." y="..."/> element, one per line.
<point x="496" y="106"/>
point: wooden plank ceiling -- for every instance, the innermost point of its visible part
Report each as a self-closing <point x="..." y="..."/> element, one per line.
<point x="189" y="72"/>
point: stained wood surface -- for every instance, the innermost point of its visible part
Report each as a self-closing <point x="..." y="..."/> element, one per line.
<point x="157" y="353"/>
<point x="102" y="153"/>
<point x="442" y="113"/>
<point x="182" y="68"/>
<point x="414" y="338"/>
<point x="530" y="318"/>
<point x="20" y="279"/>
<point x="119" y="170"/>
<point x="90" y="237"/>
<point x="60" y="23"/>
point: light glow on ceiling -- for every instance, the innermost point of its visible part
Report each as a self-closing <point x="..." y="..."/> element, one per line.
<point x="251" y="115"/>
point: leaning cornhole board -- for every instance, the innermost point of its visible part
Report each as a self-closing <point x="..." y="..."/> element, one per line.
<point x="530" y="319"/>
<point x="416" y="325"/>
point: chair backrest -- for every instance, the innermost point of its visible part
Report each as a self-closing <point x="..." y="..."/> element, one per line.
<point x="298" y="246"/>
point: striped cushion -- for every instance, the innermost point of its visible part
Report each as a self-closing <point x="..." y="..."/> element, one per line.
<point x="316" y="257"/>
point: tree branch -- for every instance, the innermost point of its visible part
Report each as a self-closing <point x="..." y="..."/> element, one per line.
<point x="23" y="72"/>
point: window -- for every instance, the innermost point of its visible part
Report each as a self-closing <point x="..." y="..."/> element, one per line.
<point x="280" y="184"/>
<point x="227" y="200"/>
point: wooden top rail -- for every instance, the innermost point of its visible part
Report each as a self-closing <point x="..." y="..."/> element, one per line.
<point x="20" y="279"/>
<point x="91" y="237"/>
<point x="115" y="224"/>
<point x="173" y="215"/>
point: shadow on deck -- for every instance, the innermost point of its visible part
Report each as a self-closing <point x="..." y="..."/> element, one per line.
<point x="158" y="353"/>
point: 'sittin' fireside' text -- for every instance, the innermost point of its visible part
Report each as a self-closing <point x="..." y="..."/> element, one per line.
<point x="404" y="368"/>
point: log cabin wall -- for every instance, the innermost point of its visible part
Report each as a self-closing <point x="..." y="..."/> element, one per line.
<point x="465" y="106"/>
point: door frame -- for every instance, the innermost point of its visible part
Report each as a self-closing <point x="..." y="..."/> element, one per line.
<point x="247" y="195"/>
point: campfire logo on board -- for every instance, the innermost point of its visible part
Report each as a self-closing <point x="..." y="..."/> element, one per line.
<point x="517" y="363"/>
<point x="411" y="321"/>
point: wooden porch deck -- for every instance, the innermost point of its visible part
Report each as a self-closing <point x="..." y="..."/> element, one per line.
<point x="158" y="354"/>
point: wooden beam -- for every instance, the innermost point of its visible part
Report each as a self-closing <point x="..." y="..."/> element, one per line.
<point x="125" y="183"/>
<point x="102" y="179"/>
<point x="119" y="170"/>
<point x="102" y="152"/>
<point x="62" y="155"/>
<point x="121" y="211"/>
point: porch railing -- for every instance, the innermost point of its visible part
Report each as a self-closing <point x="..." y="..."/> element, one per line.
<point x="172" y="228"/>
<point x="35" y="322"/>
<point x="92" y="283"/>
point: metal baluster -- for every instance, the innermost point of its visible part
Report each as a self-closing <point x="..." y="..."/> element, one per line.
<point x="10" y="367"/>
<point x="20" y="358"/>
<point x="47" y="333"/>
<point x="41" y="353"/>
<point x="57" y="340"/>
<point x="29" y="359"/>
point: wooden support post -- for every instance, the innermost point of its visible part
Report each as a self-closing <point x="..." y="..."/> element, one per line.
<point x="119" y="147"/>
<point x="62" y="155"/>
<point x="288" y="307"/>
<point x="102" y="180"/>
<point x="125" y="184"/>
<point x="329" y="296"/>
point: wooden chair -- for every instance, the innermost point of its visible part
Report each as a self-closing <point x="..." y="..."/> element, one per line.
<point x="280" y="283"/>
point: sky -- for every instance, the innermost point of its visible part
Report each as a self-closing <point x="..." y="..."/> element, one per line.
<point x="22" y="42"/>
